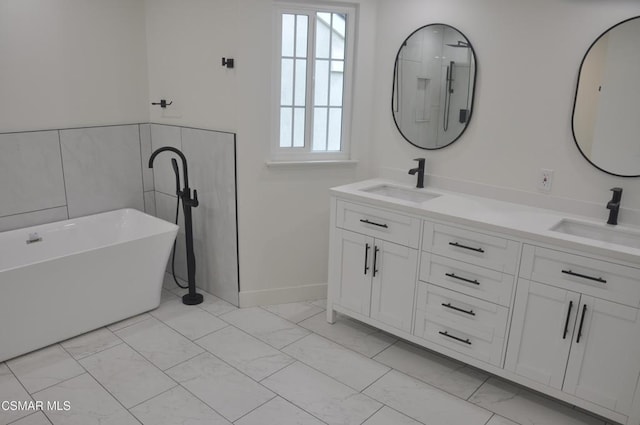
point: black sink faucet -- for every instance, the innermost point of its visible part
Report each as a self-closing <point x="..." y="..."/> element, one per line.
<point x="614" y="205"/>
<point x="420" y="170"/>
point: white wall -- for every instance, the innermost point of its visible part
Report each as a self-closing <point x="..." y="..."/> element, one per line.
<point x="72" y="63"/>
<point x="528" y="56"/>
<point x="283" y="213"/>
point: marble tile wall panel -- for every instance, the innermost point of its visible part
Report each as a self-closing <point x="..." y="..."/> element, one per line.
<point x="145" y="153"/>
<point x="102" y="169"/>
<point x="31" y="176"/>
<point x="211" y="157"/>
<point x="18" y="221"/>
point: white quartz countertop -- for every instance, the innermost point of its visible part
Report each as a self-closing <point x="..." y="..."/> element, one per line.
<point x="521" y="221"/>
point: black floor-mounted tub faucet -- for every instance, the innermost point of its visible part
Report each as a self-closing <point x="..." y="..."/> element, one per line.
<point x="191" y="298"/>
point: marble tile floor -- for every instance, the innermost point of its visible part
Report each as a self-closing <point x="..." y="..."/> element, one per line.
<point x="273" y="365"/>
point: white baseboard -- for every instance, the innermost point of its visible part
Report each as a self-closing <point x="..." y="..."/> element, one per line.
<point x="283" y="295"/>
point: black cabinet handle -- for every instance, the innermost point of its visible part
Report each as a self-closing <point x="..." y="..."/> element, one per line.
<point x="445" y="333"/>
<point x="464" y="279"/>
<point x="584" y="276"/>
<point x="375" y="260"/>
<point x="566" y="323"/>
<point x="452" y="307"/>
<point x="366" y="258"/>
<point x="584" y="311"/>
<point x="457" y="245"/>
<point x="363" y="220"/>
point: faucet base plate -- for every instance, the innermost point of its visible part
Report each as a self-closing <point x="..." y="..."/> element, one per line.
<point x="192" y="299"/>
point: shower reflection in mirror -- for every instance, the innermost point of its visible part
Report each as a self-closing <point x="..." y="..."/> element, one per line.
<point x="433" y="86"/>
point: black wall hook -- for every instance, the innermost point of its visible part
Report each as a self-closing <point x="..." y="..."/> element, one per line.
<point x="163" y="103"/>
<point x="229" y="63"/>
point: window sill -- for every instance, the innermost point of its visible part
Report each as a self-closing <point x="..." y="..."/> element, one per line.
<point x="277" y="164"/>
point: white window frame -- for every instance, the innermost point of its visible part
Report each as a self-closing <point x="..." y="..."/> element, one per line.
<point x="306" y="153"/>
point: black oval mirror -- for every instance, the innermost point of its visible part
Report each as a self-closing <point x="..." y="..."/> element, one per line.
<point x="433" y="86"/>
<point x="605" y="113"/>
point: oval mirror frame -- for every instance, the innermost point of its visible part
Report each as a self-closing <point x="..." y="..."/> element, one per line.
<point x="446" y="78"/>
<point x="588" y="104"/>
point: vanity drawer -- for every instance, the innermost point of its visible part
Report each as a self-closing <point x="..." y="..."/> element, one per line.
<point x="462" y="323"/>
<point x="472" y="247"/>
<point x="591" y="276"/>
<point x="479" y="282"/>
<point x="381" y="224"/>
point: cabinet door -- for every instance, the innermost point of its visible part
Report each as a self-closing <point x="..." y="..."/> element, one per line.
<point x="541" y="332"/>
<point x="393" y="286"/>
<point x="354" y="254"/>
<point x="604" y="364"/>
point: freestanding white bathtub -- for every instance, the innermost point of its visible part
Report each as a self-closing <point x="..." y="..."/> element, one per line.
<point x="84" y="273"/>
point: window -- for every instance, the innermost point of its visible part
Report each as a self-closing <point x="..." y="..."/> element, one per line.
<point x="313" y="64"/>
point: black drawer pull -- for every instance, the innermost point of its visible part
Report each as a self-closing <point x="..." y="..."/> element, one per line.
<point x="445" y="333"/>
<point x="452" y="307"/>
<point x="366" y="258"/>
<point x="457" y="245"/>
<point x="364" y="220"/>
<point x="566" y="324"/>
<point x="584" y="311"/>
<point x="584" y="276"/>
<point x="464" y="279"/>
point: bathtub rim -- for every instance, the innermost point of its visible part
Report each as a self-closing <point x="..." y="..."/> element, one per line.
<point x="168" y="227"/>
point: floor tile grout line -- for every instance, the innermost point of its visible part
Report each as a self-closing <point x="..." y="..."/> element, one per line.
<point x="128" y="326"/>
<point x="212" y="408"/>
<point x="18" y="380"/>
<point x="373" y="383"/>
<point x="52" y="385"/>
<point x="239" y="370"/>
<point x="342" y="345"/>
<point x="152" y="397"/>
<point x="185" y="336"/>
<point x="476" y="390"/>
<point x="382" y="405"/>
<point x="294" y="302"/>
<point x="100" y="383"/>
<point x="255" y="408"/>
<point x="336" y="379"/>
<point x="404" y="414"/>
<point x="299" y="407"/>
<point x="30" y="414"/>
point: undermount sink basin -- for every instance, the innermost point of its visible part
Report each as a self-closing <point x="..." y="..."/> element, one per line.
<point x="599" y="232"/>
<point x="405" y="194"/>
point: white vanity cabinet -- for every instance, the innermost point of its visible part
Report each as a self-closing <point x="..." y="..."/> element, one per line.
<point x="576" y="327"/>
<point x="490" y="284"/>
<point x="375" y="256"/>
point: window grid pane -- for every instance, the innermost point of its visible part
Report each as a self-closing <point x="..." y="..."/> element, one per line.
<point x="286" y="82"/>
<point x="286" y="127"/>
<point x="301" y="82"/>
<point x="288" y="26"/>
<point x="338" y="36"/>
<point x="298" y="127"/>
<point x="321" y="94"/>
<point x="302" y="23"/>
<point x="334" y="129"/>
<point x="319" y="129"/>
